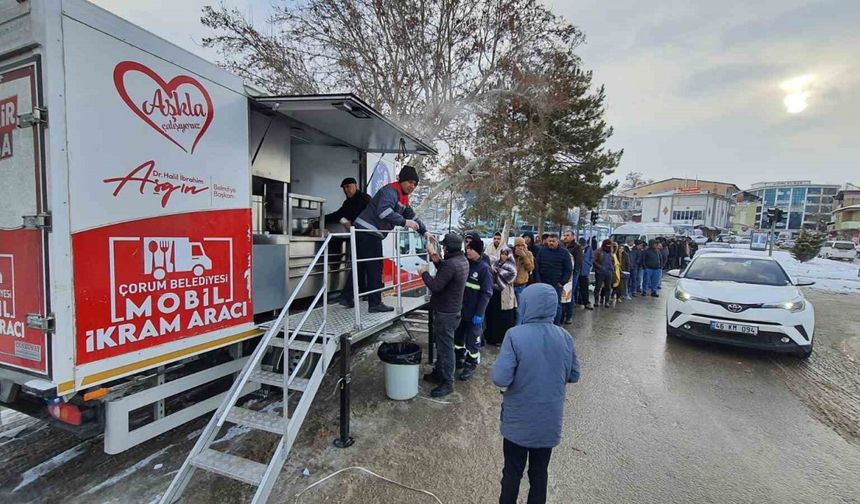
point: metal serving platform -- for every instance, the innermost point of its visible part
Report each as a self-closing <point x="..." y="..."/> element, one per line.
<point x="341" y="320"/>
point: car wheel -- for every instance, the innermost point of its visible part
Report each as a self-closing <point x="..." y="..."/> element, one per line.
<point x="671" y="331"/>
<point x="805" y="352"/>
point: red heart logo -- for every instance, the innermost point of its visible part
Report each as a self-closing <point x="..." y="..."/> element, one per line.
<point x="181" y="116"/>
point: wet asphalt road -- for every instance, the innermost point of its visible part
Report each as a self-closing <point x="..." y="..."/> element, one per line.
<point x="652" y="421"/>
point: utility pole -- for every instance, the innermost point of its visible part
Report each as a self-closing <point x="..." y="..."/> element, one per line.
<point x="774" y="215"/>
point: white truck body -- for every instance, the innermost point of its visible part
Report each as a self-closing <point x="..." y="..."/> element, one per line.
<point x="143" y="147"/>
<point x="642" y="231"/>
<point x="127" y="246"/>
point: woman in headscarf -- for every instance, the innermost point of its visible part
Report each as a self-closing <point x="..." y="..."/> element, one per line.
<point x="501" y="312"/>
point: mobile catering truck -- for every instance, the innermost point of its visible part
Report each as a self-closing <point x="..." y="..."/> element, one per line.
<point x="155" y="214"/>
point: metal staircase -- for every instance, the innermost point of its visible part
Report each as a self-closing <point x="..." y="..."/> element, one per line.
<point x="287" y="424"/>
<point x="320" y="330"/>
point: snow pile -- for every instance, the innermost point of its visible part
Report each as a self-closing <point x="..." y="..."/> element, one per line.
<point x="828" y="275"/>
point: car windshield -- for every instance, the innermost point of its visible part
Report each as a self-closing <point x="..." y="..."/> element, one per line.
<point x="844" y="246"/>
<point x="737" y="269"/>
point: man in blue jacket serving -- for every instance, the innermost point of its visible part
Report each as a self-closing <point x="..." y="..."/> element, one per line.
<point x="535" y="364"/>
<point x="388" y="208"/>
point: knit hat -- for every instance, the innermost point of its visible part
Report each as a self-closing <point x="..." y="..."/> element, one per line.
<point x="348" y="180"/>
<point x="408" y="173"/>
<point x="452" y="242"/>
<point x="519" y="241"/>
<point x="477" y="246"/>
<point x="473" y="235"/>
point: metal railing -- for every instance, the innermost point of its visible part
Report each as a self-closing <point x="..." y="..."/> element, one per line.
<point x="256" y="357"/>
<point x="398" y="282"/>
<point x="291" y="333"/>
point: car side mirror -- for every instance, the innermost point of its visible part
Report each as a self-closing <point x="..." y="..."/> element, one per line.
<point x="804" y="283"/>
<point x="674" y="273"/>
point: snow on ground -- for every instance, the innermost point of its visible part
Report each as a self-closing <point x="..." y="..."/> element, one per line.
<point x="143" y="464"/>
<point x="829" y="275"/>
<point x="49" y="465"/>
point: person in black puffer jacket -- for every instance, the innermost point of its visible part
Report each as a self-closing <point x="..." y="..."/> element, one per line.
<point x="652" y="262"/>
<point x="447" y="289"/>
<point x="554" y="267"/>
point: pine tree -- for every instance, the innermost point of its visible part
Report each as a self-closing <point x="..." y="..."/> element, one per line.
<point x="807" y="245"/>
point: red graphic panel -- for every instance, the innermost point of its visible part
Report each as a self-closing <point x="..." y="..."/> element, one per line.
<point x="144" y="283"/>
<point x="21" y="292"/>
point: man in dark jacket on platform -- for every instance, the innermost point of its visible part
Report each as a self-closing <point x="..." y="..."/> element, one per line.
<point x="352" y="206"/>
<point x="553" y="267"/>
<point x="446" y="302"/>
<point x="389" y="207"/>
<point x="479" y="290"/>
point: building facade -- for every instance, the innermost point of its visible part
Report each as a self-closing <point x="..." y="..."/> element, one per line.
<point x="746" y="208"/>
<point x="845" y="222"/>
<point x="806" y="205"/>
<point x="686" y="209"/>
<point x="676" y="184"/>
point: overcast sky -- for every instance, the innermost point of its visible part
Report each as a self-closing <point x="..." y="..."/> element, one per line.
<point x="738" y="91"/>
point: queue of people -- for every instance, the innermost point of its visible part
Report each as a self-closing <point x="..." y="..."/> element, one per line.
<point x="474" y="299"/>
<point x="509" y="298"/>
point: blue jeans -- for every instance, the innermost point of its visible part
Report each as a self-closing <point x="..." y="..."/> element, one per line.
<point x="652" y="280"/>
<point x="640" y="276"/>
<point x="517" y="290"/>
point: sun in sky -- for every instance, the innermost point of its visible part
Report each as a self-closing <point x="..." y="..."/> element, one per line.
<point x="797" y="93"/>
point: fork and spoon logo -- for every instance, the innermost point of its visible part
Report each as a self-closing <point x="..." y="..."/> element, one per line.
<point x="160" y="255"/>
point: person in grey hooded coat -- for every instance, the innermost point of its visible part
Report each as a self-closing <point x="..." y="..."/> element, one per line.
<point x="536" y="362"/>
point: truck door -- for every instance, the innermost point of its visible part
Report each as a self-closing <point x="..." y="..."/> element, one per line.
<point x="23" y="221"/>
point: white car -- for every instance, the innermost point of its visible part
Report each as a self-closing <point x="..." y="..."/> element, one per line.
<point x="838" y="250"/>
<point x="741" y="300"/>
<point x="714" y="247"/>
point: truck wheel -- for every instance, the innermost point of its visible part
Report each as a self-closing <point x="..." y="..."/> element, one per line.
<point x="198" y="270"/>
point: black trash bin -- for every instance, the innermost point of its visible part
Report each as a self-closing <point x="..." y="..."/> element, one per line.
<point x="401" y="361"/>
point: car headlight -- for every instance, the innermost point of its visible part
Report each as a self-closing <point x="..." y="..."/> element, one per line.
<point x="795" y="305"/>
<point x="684" y="296"/>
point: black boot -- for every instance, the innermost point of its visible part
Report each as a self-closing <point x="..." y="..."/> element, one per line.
<point x="442" y="390"/>
<point x="381" y="308"/>
<point x="468" y="372"/>
<point x="433" y="377"/>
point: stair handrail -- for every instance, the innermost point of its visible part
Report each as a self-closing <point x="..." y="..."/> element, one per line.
<point x="257" y="355"/>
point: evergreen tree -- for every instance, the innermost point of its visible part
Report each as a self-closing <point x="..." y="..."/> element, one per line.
<point x="807" y="245"/>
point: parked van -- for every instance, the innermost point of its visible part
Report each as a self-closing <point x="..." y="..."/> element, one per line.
<point x="641" y="231"/>
<point x="838" y="250"/>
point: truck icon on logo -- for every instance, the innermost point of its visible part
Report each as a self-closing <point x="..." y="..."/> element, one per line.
<point x="173" y="255"/>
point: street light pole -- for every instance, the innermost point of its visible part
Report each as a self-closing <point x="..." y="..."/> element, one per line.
<point x="770" y="238"/>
